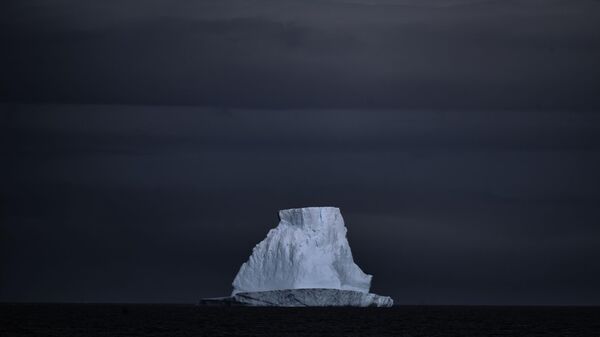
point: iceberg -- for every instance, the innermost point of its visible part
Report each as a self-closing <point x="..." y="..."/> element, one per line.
<point x="305" y="261"/>
<point x="301" y="298"/>
<point x="312" y="298"/>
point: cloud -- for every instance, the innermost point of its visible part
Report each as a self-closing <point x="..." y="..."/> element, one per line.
<point x="299" y="54"/>
<point x="462" y="141"/>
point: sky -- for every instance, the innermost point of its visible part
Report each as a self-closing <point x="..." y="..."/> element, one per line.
<point x="146" y="146"/>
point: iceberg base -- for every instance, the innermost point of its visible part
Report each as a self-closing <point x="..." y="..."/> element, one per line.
<point x="314" y="297"/>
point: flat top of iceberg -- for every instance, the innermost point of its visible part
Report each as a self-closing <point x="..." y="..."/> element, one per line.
<point x="309" y="208"/>
<point x="310" y="216"/>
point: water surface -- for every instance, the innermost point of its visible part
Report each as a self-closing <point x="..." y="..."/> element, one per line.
<point x="67" y="320"/>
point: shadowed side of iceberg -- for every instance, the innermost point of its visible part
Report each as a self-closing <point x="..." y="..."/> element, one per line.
<point x="314" y="297"/>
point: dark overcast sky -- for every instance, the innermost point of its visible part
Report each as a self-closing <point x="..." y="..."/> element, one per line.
<point x="147" y="145"/>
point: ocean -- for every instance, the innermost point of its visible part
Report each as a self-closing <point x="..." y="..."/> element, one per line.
<point x="66" y="320"/>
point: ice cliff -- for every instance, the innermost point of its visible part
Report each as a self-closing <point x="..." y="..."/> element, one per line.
<point x="307" y="250"/>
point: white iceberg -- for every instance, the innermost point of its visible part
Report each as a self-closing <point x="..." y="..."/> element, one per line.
<point x="305" y="261"/>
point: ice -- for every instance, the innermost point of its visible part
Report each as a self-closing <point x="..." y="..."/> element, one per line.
<point x="312" y="298"/>
<point x="308" y="249"/>
<point x="304" y="261"/>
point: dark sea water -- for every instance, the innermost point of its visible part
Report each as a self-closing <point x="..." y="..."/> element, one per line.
<point x="189" y="320"/>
